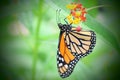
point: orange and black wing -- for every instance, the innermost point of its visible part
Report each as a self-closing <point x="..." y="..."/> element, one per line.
<point x="80" y="43"/>
<point x="65" y="60"/>
<point x="73" y="46"/>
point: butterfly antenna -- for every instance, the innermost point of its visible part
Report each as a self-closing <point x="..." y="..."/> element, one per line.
<point x="57" y="15"/>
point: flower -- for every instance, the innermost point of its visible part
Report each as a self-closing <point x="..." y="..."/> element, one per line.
<point x="76" y="20"/>
<point x="69" y="18"/>
<point x="71" y="6"/>
<point x="77" y="13"/>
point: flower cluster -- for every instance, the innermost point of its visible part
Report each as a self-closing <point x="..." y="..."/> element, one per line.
<point x="77" y="13"/>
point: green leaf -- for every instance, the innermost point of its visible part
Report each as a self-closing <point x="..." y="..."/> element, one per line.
<point x="102" y="31"/>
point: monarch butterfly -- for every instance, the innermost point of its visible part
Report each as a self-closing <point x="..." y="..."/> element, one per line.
<point x="73" y="45"/>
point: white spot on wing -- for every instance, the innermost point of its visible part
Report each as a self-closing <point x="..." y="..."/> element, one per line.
<point x="62" y="59"/>
<point x="60" y="64"/>
<point x="66" y="66"/>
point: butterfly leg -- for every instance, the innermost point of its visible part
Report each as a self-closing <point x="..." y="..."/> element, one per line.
<point x="65" y="21"/>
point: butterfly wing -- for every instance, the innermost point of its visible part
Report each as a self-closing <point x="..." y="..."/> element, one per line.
<point x="80" y="43"/>
<point x="73" y="46"/>
<point x="65" y="60"/>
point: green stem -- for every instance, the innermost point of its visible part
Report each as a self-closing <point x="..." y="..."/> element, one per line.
<point x="35" y="50"/>
<point x="88" y="9"/>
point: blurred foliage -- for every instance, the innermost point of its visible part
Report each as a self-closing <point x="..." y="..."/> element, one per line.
<point x="29" y="39"/>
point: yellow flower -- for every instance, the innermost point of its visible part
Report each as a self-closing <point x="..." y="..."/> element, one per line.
<point x="76" y="20"/>
<point x="69" y="16"/>
<point x="78" y="13"/>
<point x="70" y="21"/>
<point x="71" y="6"/>
<point x="73" y="20"/>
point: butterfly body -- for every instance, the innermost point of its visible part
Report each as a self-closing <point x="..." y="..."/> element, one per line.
<point x="64" y="27"/>
<point x="74" y="44"/>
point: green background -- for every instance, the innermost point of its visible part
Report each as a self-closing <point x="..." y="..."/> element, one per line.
<point x="29" y="39"/>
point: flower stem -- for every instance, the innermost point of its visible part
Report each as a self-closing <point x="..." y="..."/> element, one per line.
<point x="88" y="9"/>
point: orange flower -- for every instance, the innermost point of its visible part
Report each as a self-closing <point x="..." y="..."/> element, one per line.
<point x="77" y="13"/>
